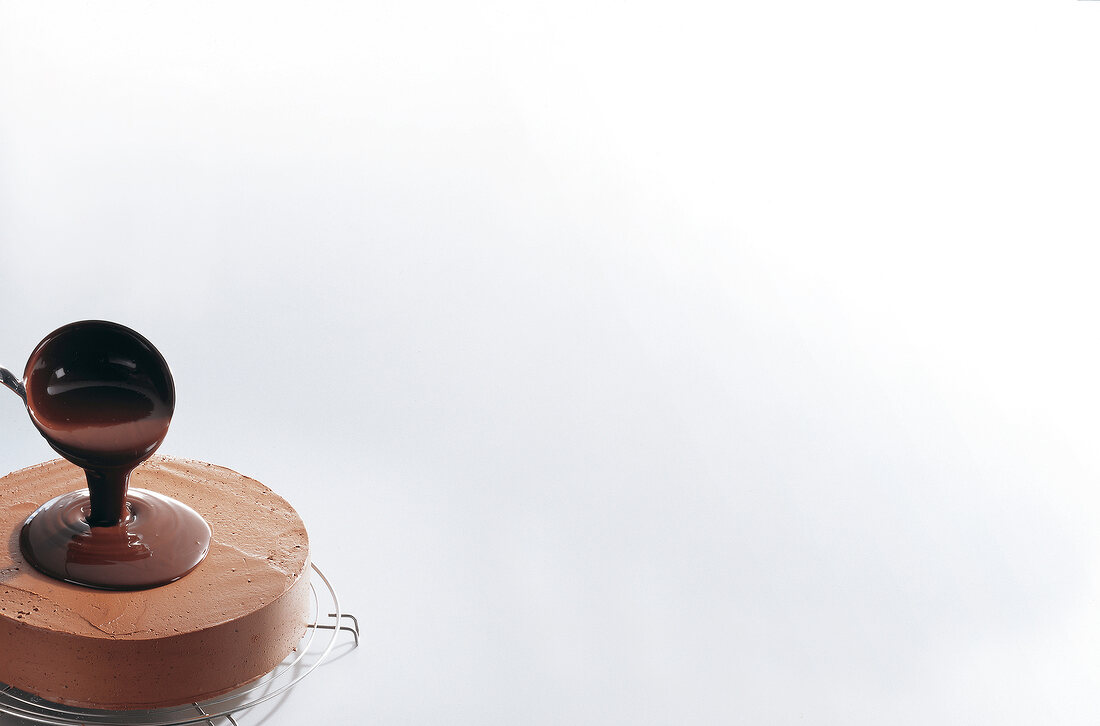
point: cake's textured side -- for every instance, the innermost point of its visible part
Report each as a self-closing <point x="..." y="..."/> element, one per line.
<point x="231" y="620"/>
<point x="157" y="672"/>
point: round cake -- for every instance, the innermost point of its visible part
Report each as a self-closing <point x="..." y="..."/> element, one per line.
<point x="229" y="621"/>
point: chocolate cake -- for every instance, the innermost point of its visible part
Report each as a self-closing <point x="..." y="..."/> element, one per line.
<point x="233" y="618"/>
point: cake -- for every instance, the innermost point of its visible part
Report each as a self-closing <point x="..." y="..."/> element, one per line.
<point x="232" y="619"/>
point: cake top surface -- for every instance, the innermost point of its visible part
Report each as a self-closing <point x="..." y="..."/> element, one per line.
<point x="258" y="550"/>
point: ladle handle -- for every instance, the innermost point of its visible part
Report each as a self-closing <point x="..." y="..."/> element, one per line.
<point x="8" y="379"/>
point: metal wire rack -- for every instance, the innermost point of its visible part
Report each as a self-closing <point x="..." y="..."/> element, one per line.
<point x="310" y="653"/>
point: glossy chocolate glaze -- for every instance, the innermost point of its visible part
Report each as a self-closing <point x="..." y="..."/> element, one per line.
<point x="58" y="540"/>
<point x="102" y="396"/>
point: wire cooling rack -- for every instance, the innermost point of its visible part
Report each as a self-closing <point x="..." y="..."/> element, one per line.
<point x="310" y="653"/>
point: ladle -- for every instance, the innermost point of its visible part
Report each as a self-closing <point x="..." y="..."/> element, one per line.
<point x="102" y="396"/>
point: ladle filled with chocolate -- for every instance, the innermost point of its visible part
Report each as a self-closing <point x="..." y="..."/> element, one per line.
<point x="102" y="396"/>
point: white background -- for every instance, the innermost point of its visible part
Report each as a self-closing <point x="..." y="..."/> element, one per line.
<point x="629" y="363"/>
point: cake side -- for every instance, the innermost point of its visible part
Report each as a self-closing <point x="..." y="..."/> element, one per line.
<point x="154" y="672"/>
